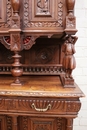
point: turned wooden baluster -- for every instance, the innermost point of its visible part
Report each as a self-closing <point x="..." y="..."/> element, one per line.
<point x="16" y="42"/>
<point x="15" y="6"/>
<point x="16" y="72"/>
<point x="70" y="5"/>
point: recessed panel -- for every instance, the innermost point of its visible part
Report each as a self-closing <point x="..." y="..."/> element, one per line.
<point x="42" y="7"/>
<point x="2" y="10"/>
<point x="41" y="14"/>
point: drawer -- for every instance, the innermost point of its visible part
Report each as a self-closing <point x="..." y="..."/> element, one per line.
<point x="39" y="105"/>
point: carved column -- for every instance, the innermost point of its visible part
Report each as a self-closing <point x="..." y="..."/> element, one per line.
<point x="15" y="40"/>
<point x="70" y="18"/>
<point x="14" y="123"/>
<point x="69" y="124"/>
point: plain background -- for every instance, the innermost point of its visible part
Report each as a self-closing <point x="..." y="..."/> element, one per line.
<point x="80" y="73"/>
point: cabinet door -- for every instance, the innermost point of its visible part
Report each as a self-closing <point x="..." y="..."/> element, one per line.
<point x="44" y="15"/>
<point x="39" y="123"/>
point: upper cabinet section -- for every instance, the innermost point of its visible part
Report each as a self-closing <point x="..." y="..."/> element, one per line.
<point x="40" y="17"/>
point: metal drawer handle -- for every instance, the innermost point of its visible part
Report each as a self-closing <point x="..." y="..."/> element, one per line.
<point x="41" y="110"/>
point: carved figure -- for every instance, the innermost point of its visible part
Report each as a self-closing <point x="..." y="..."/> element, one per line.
<point x="69" y="62"/>
<point x="43" y="5"/>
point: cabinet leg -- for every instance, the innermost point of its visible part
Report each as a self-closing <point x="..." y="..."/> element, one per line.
<point x="14" y="123"/>
<point x="69" y="124"/>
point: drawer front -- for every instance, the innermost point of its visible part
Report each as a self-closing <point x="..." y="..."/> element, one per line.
<point x="39" y="105"/>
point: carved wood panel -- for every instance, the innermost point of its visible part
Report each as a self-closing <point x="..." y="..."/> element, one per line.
<point x="2" y="11"/>
<point x="42" y="7"/>
<point x="42" y="53"/>
<point x="5" y="14"/>
<point x="36" y="123"/>
<point x="43" y="13"/>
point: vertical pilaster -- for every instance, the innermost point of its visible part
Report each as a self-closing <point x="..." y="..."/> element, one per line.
<point x="69" y="124"/>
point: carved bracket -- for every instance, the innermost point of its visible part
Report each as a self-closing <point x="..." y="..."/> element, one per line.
<point x="29" y="41"/>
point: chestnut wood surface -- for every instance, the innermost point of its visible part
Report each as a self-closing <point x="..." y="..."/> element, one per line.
<point x="38" y="86"/>
<point x="37" y="47"/>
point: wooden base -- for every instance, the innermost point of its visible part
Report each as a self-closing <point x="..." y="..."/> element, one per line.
<point x="68" y="82"/>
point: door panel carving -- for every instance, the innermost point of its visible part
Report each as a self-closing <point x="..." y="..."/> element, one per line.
<point x="42" y="7"/>
<point x="42" y="13"/>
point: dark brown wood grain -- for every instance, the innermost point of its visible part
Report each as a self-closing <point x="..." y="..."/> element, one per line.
<point x="37" y="47"/>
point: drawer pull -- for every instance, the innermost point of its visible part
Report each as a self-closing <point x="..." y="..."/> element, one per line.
<point x="41" y="110"/>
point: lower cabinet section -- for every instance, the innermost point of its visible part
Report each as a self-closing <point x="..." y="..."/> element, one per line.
<point x="32" y="123"/>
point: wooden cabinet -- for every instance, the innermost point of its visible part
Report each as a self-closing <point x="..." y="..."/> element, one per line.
<point x="37" y="46"/>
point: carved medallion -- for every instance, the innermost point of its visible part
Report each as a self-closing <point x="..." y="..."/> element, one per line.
<point x="42" y="7"/>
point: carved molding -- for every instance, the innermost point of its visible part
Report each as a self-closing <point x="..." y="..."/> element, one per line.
<point x="42" y="94"/>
